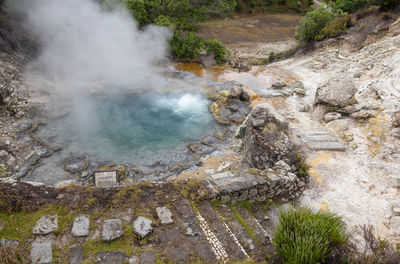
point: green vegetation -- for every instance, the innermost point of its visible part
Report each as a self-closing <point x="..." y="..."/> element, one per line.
<point x="11" y="255"/>
<point x="331" y="21"/>
<point x="254" y="6"/>
<point x="240" y="219"/>
<point x="305" y="236"/>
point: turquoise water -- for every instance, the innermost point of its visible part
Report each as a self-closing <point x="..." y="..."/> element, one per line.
<point x="133" y="128"/>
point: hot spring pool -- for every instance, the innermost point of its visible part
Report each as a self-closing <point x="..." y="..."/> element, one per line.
<point x="137" y="128"/>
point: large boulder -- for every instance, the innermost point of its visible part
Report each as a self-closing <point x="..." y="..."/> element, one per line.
<point x="230" y="102"/>
<point x="267" y="138"/>
<point x="336" y="92"/>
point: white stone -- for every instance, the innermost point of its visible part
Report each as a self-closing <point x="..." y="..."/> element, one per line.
<point x="142" y="226"/>
<point x="80" y="228"/>
<point x="112" y="229"/>
<point x="165" y="215"/>
<point x="46" y="225"/>
<point x="42" y="252"/>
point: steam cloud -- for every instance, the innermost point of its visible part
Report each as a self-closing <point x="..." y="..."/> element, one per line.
<point x="82" y="44"/>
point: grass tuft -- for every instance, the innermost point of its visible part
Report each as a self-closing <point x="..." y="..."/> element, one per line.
<point x="305" y="236"/>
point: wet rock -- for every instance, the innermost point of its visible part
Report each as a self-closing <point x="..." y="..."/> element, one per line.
<point x="46" y="225"/>
<point x="266" y="145"/>
<point x="200" y="148"/>
<point x="110" y="257"/>
<point x="41" y="252"/>
<point x="76" y="163"/>
<point x="332" y="116"/>
<point x="209" y="141"/>
<point x="76" y="254"/>
<point x="336" y="92"/>
<point x="142" y="226"/>
<point x="164" y="214"/>
<point x="112" y="229"/>
<point x="80" y="228"/>
<point x="148" y="257"/>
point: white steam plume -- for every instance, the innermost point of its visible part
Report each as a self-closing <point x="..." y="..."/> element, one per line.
<point x="82" y="44"/>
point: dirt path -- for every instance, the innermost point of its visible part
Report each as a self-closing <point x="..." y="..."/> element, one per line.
<point x="253" y="38"/>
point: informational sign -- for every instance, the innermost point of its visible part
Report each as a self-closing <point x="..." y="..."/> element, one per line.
<point x="104" y="179"/>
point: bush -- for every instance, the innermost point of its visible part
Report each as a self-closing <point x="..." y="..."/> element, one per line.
<point x="305" y="236"/>
<point x="348" y="6"/>
<point x="11" y="255"/>
<point x="337" y="26"/>
<point x="215" y="47"/>
<point x="186" y="45"/>
<point x="313" y="23"/>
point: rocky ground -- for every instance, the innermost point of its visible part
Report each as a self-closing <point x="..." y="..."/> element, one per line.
<point x="335" y="108"/>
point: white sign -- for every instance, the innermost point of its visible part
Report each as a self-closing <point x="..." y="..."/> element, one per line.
<point x="103" y="179"/>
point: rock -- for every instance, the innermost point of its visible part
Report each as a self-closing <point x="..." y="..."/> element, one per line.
<point x="42" y="252"/>
<point x="65" y="184"/>
<point x="395" y="132"/>
<point x="112" y="229"/>
<point x="110" y="257"/>
<point x="165" y="215"/>
<point x="336" y="92"/>
<point x="80" y="228"/>
<point x="76" y="254"/>
<point x="46" y="225"/>
<point x="209" y="141"/>
<point x="133" y="260"/>
<point x="347" y="136"/>
<point x="76" y="163"/>
<point x="338" y="125"/>
<point x="396" y="119"/>
<point x="332" y="116"/>
<point x="148" y="257"/>
<point x="266" y="145"/>
<point x="278" y="85"/>
<point x="142" y="226"/>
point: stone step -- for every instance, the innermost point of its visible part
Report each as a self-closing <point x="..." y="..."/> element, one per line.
<point x="223" y="239"/>
<point x="321" y="140"/>
<point x="248" y="235"/>
<point x="261" y="236"/>
<point x="180" y="245"/>
<point x="235" y="228"/>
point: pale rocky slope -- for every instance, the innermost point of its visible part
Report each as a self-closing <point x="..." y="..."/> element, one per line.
<point x="360" y="183"/>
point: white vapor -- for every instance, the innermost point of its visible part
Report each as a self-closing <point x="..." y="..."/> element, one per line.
<point x="81" y="44"/>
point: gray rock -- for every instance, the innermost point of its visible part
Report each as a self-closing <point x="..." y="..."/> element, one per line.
<point x="332" y="116"/>
<point x="76" y="254"/>
<point x="165" y="215"/>
<point x="112" y="229"/>
<point x="133" y="260"/>
<point x="76" y="163"/>
<point x="46" y="225"/>
<point x="338" y="125"/>
<point x="337" y="92"/>
<point x="278" y="85"/>
<point x="110" y="257"/>
<point x="396" y="119"/>
<point x="266" y="145"/>
<point x="80" y="228"/>
<point x="142" y="226"/>
<point x="148" y="257"/>
<point x="42" y="252"/>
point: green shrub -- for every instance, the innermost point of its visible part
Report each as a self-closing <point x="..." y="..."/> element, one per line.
<point x="215" y="47"/>
<point x="313" y="23"/>
<point x="305" y="236"/>
<point x="348" y="6"/>
<point x="336" y="26"/>
<point x="385" y="4"/>
<point x="186" y="45"/>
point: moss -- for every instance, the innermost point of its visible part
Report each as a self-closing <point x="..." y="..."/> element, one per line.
<point x="126" y="244"/>
<point x="238" y="217"/>
<point x="19" y="226"/>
